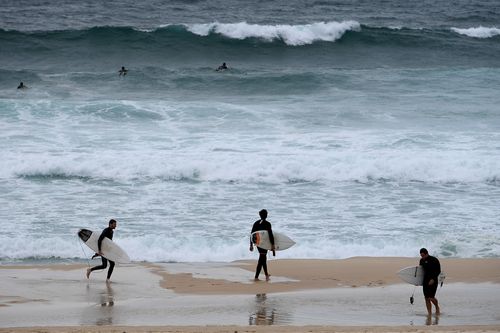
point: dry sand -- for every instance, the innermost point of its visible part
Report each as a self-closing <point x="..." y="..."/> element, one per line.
<point x="314" y="274"/>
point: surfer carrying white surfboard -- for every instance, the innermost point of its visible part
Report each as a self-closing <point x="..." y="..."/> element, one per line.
<point x="432" y="269"/>
<point x="106" y="233"/>
<point x="262" y="224"/>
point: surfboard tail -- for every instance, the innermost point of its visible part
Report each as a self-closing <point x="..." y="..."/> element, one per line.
<point x="256" y="238"/>
<point x="84" y="234"/>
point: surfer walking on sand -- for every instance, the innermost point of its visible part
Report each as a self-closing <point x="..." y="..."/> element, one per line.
<point x="432" y="269"/>
<point x="262" y="224"/>
<point x="107" y="232"/>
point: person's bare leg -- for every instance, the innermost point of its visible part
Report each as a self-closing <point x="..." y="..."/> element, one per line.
<point x="88" y="273"/>
<point x="428" y="305"/>
<point x="436" y="304"/>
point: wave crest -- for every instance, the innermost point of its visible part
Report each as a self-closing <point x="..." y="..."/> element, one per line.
<point x="408" y="166"/>
<point x="290" y="34"/>
<point x="478" y="32"/>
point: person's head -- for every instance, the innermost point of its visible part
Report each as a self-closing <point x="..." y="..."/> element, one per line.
<point x="263" y="214"/>
<point x="424" y="253"/>
<point x="123" y="68"/>
<point x="112" y="223"/>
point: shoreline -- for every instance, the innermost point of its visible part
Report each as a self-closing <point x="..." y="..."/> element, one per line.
<point x="302" y="296"/>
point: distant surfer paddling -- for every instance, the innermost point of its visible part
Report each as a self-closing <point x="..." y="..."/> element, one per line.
<point x="432" y="269"/>
<point x="123" y="71"/>
<point x="22" y="86"/>
<point x="107" y="232"/>
<point x="263" y="224"/>
<point x="222" y="67"/>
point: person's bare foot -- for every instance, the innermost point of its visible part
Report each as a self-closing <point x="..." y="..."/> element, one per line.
<point x="88" y="273"/>
<point x="256" y="279"/>
<point x="268" y="277"/>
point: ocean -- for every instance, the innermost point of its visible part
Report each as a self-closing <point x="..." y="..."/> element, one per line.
<point x="365" y="128"/>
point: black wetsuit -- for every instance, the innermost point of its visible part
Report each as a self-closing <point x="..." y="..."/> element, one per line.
<point x="222" y="67"/>
<point x="108" y="232"/>
<point x="432" y="269"/>
<point x="262" y="225"/>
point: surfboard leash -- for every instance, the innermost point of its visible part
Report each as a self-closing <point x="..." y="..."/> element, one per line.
<point x="412" y="299"/>
<point x="84" y="254"/>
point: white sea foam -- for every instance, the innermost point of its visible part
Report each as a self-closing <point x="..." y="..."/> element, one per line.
<point x="161" y="247"/>
<point x="228" y="166"/>
<point x="478" y="32"/>
<point x="290" y="34"/>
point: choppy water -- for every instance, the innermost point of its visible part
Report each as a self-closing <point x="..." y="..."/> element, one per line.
<point x="365" y="128"/>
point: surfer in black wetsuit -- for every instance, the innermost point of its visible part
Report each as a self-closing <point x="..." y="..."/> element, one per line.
<point x="222" y="67"/>
<point x="108" y="232"/>
<point x="432" y="269"/>
<point x="122" y="71"/>
<point x="21" y="86"/>
<point x="262" y="224"/>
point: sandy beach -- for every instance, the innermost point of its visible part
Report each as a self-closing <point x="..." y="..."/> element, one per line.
<point x="351" y="295"/>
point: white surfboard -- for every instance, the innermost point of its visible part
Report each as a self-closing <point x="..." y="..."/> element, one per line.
<point x="281" y="241"/>
<point x="415" y="275"/>
<point x="110" y="250"/>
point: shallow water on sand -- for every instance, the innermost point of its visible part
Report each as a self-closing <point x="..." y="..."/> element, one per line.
<point x="135" y="298"/>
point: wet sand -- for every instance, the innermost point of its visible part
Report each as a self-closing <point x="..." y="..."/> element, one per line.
<point x="256" y="329"/>
<point x="355" y="295"/>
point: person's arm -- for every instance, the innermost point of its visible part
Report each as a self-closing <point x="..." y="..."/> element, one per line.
<point x="99" y="241"/>
<point x="427" y="271"/>
<point x="271" y="238"/>
<point x="251" y="232"/>
<point x="435" y="271"/>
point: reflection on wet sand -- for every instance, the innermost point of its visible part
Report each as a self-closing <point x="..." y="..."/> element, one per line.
<point x="262" y="315"/>
<point x="102" y="314"/>
<point x="430" y="322"/>
<point x="105" y="316"/>
<point x="107" y="296"/>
